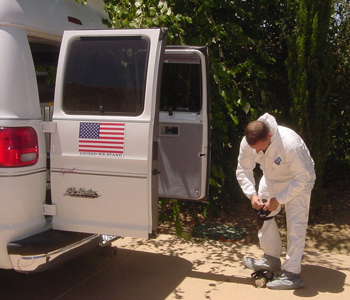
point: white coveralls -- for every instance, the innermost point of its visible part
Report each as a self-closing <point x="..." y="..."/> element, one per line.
<point x="288" y="175"/>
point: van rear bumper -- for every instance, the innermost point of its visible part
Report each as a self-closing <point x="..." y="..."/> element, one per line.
<point x="49" y="249"/>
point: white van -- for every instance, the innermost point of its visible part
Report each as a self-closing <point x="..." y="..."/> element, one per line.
<point x="130" y="124"/>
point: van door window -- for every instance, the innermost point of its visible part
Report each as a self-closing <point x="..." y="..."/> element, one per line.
<point x="106" y="76"/>
<point x="181" y="85"/>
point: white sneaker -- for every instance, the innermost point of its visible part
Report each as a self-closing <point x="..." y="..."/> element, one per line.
<point x="287" y="281"/>
<point x="267" y="262"/>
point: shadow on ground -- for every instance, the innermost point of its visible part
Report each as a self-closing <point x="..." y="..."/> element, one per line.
<point x="321" y="280"/>
<point x="142" y="275"/>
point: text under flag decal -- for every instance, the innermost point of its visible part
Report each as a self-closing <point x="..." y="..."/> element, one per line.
<point x="101" y="139"/>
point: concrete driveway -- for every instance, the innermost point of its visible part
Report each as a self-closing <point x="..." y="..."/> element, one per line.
<point x="171" y="268"/>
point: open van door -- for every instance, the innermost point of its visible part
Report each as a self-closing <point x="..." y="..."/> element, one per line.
<point x="104" y="146"/>
<point x="184" y="147"/>
<point x="108" y="145"/>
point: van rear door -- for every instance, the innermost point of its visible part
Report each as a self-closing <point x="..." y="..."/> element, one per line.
<point x="104" y="148"/>
<point x="184" y="147"/>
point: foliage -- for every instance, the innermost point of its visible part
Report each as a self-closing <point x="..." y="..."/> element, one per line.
<point x="171" y="209"/>
<point x="146" y="14"/>
<point x="309" y="65"/>
<point x="340" y="146"/>
<point x="83" y="2"/>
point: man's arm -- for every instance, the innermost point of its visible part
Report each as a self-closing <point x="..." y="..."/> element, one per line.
<point x="244" y="172"/>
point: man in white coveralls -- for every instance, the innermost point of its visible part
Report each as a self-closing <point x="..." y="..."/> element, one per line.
<point x="288" y="178"/>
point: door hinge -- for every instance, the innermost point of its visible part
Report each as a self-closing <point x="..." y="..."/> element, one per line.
<point x="48" y="127"/>
<point x="50" y="209"/>
<point x="155" y="172"/>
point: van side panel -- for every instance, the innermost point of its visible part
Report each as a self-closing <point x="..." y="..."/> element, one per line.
<point x="20" y="210"/>
<point x="28" y="29"/>
<point x="18" y="89"/>
<point x="51" y="16"/>
<point x="22" y="188"/>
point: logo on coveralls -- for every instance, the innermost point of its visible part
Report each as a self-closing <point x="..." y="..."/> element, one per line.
<point x="278" y="161"/>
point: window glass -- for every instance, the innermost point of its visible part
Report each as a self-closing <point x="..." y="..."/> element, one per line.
<point x="106" y="76"/>
<point x="45" y="59"/>
<point x="181" y="87"/>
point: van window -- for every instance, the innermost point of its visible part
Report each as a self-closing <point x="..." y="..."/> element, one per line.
<point x="106" y="76"/>
<point x="181" y="85"/>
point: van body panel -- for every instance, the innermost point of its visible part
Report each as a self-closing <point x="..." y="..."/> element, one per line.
<point x="44" y="18"/>
<point x="17" y="68"/>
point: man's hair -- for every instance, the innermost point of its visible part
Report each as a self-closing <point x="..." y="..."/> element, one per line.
<point x="255" y="132"/>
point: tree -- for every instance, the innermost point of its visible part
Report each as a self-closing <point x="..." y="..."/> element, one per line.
<point x="340" y="93"/>
<point x="309" y="65"/>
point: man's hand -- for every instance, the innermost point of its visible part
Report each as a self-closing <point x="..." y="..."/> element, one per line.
<point x="257" y="202"/>
<point x="271" y="204"/>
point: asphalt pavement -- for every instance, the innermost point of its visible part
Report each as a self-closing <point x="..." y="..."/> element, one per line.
<point x="169" y="267"/>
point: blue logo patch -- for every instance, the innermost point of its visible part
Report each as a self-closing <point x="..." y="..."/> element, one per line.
<point x="278" y="161"/>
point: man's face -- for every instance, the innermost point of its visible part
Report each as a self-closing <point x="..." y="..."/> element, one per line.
<point x="262" y="145"/>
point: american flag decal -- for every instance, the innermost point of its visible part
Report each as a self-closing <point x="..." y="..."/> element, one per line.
<point x="105" y="139"/>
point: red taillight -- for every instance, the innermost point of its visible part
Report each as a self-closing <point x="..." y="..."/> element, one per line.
<point x="18" y="146"/>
